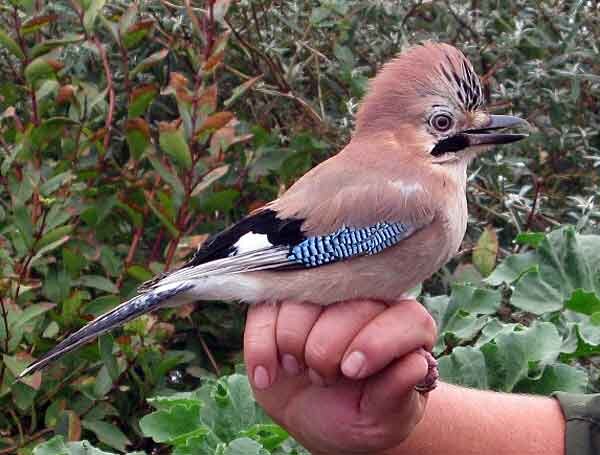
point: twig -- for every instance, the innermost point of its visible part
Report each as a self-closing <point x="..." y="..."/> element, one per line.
<point x="208" y="353"/>
<point x="33" y="437"/>
<point x="536" y="195"/>
<point x="111" y="96"/>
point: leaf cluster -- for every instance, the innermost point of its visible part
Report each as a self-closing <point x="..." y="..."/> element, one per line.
<point x="131" y="131"/>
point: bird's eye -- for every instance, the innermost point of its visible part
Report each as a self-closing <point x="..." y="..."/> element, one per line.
<point x="441" y="122"/>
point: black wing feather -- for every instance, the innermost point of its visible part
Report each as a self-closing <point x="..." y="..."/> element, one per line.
<point x="286" y="232"/>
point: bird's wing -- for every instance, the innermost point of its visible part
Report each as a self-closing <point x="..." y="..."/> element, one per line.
<point x="319" y="221"/>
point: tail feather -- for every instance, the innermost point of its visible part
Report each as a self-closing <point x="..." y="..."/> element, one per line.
<point x="123" y="313"/>
<point x="262" y="259"/>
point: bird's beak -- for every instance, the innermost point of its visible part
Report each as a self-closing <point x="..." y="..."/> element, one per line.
<point x="488" y="135"/>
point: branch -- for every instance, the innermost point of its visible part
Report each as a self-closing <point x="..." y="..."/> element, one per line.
<point x="111" y="95"/>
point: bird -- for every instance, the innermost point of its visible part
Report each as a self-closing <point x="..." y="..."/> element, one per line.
<point x="372" y="221"/>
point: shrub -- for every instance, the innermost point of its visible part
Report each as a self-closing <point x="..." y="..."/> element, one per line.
<point x="132" y="130"/>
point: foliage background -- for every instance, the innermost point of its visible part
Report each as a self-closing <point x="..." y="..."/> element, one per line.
<point x="130" y="131"/>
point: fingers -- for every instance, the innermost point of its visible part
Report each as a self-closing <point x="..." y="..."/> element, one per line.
<point x="393" y="390"/>
<point x="331" y="334"/>
<point x="392" y="334"/>
<point x="294" y="323"/>
<point x="260" y="347"/>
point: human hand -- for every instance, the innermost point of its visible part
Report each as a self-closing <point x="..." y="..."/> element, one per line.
<point x="340" y="379"/>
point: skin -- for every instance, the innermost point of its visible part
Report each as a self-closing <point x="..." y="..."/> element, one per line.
<point x="300" y="362"/>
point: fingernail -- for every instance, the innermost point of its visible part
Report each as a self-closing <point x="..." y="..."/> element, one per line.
<point x="316" y="378"/>
<point x="353" y="364"/>
<point x="261" y="378"/>
<point x="290" y="364"/>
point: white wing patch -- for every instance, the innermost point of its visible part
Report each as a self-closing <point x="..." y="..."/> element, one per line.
<point x="250" y="242"/>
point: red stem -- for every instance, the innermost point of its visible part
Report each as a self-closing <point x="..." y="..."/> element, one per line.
<point x="111" y="95"/>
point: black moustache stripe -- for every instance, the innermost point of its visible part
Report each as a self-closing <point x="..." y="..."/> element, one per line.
<point x="451" y="144"/>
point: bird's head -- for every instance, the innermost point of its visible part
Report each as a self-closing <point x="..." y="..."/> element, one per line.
<point x="431" y="99"/>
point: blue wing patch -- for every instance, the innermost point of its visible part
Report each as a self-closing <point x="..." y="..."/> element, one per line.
<point x="348" y="242"/>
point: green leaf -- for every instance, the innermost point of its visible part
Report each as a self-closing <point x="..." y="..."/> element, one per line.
<point x="140" y="99"/>
<point x="268" y="435"/>
<point x="240" y="90"/>
<point x="53" y="236"/>
<point x="91" y="13"/>
<point x="547" y="277"/>
<point x="30" y="313"/>
<point x="128" y="17"/>
<point x="46" y="46"/>
<point x="105" y="347"/>
<point x="41" y="69"/>
<point x="149" y="62"/>
<point x="210" y="178"/>
<point x="7" y="42"/>
<point x="139" y="273"/>
<point x="107" y="433"/>
<point x="23" y="226"/>
<point x="244" y="446"/>
<point x="532" y="239"/>
<point x="57" y="446"/>
<point x="163" y="219"/>
<point x="222" y="200"/>
<point x="14" y="364"/>
<point x="136" y="33"/>
<point x="170" y="178"/>
<point x="509" y="356"/>
<point x="173" y="143"/>
<point x="49" y="130"/>
<point x="138" y="137"/>
<point x="35" y="23"/>
<point x="101" y="305"/>
<point x="182" y="420"/>
<point x="583" y="302"/>
<point x="103" y="383"/>
<point x="555" y="378"/>
<point x="532" y="293"/>
<point x="511" y="269"/>
<point x="55" y="182"/>
<point x="464" y="366"/>
<point x="98" y="282"/>
<point x="486" y="250"/>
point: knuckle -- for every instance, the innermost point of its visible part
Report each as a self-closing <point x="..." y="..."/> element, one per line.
<point x="290" y="340"/>
<point x="428" y="324"/>
<point x="429" y="327"/>
<point x="318" y="356"/>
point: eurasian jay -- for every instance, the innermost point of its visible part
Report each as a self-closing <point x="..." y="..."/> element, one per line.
<point x="371" y="222"/>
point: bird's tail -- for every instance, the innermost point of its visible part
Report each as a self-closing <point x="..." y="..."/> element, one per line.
<point x="125" y="312"/>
